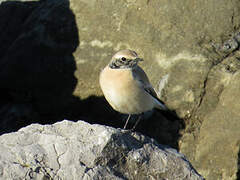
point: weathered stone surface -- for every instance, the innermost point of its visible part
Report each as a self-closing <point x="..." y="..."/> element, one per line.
<point x="216" y="145"/>
<point x="174" y="39"/>
<point x="68" y="150"/>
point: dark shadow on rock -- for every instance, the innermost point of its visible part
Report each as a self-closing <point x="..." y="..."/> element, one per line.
<point x="36" y="62"/>
<point x="164" y="127"/>
<point x="37" y="68"/>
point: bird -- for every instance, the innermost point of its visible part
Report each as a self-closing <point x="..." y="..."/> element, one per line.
<point x="126" y="86"/>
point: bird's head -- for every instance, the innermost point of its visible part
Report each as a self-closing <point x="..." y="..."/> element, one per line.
<point x="124" y="59"/>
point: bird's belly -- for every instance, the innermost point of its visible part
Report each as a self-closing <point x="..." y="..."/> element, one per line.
<point x="126" y="99"/>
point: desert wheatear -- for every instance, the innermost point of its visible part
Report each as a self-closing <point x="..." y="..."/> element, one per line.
<point x="126" y="86"/>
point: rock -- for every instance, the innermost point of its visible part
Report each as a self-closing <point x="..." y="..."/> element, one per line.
<point x="37" y="64"/>
<point x="173" y="38"/>
<point x="68" y="150"/>
<point x="218" y="136"/>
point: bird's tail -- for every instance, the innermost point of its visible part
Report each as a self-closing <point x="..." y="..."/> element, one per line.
<point x="167" y="112"/>
<point x="160" y="105"/>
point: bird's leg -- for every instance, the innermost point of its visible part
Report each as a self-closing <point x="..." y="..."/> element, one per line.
<point x="127" y="121"/>
<point x="135" y="125"/>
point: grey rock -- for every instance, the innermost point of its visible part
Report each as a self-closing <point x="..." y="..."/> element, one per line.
<point x="68" y="150"/>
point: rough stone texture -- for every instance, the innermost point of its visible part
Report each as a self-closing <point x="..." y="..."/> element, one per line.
<point x="52" y="52"/>
<point x="68" y="150"/>
<point x="219" y="135"/>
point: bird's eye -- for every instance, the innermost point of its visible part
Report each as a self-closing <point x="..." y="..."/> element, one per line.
<point x="123" y="59"/>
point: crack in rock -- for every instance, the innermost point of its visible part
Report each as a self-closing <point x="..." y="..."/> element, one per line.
<point x="58" y="156"/>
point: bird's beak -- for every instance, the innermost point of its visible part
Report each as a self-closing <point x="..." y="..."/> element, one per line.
<point x="138" y="59"/>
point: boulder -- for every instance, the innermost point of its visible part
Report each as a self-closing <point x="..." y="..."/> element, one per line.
<point x="68" y="150"/>
<point x="218" y="136"/>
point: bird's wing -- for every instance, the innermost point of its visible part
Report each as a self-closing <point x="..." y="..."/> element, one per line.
<point x="142" y="78"/>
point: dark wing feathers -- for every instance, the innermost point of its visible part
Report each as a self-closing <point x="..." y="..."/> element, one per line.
<point x="141" y="76"/>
